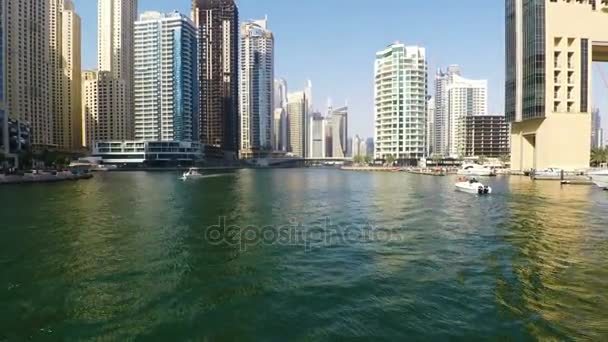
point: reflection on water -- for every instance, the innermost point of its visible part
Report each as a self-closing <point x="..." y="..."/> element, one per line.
<point x="378" y="255"/>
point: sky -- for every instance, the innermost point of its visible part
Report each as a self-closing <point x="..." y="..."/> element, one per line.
<point x="333" y="43"/>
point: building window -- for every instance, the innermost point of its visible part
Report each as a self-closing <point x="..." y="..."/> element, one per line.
<point x="584" y="75"/>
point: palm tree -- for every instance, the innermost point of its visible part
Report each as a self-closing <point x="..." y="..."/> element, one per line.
<point x="599" y="156"/>
<point x="390" y="160"/>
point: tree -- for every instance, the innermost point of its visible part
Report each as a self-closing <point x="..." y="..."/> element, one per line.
<point x="358" y="159"/>
<point x="599" y="156"/>
<point x="390" y="160"/>
<point x="482" y="160"/>
<point x="367" y="160"/>
<point x="505" y="159"/>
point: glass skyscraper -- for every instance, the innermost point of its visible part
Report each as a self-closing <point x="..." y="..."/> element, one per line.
<point x="165" y="87"/>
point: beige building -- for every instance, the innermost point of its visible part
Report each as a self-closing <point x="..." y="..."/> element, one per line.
<point x="103" y="108"/>
<point x="297" y="117"/>
<point x="550" y="46"/>
<point x="65" y="60"/>
<point x="27" y="70"/>
<point x="115" y="35"/>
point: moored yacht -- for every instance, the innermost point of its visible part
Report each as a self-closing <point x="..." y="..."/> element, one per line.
<point x="476" y="170"/>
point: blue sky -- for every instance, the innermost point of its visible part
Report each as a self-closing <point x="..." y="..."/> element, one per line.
<point x="333" y="43"/>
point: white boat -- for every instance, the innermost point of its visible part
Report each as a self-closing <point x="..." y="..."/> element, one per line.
<point x="476" y="170"/>
<point x="473" y="186"/>
<point x="600" y="178"/>
<point x="550" y="172"/>
<point x="192" y="173"/>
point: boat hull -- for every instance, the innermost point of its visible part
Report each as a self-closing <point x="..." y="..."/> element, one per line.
<point x="474" y="188"/>
<point x="479" y="173"/>
<point x="600" y="179"/>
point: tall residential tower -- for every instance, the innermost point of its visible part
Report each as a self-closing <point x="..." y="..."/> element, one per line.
<point x="217" y="24"/>
<point x="165" y="84"/>
<point x="28" y="69"/>
<point x="256" y="89"/>
<point x="400" y="95"/>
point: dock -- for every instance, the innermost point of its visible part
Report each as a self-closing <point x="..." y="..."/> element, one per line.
<point x="43" y="178"/>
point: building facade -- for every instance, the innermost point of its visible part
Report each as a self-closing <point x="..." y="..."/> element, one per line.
<point x="165" y="84"/>
<point x="430" y="125"/>
<point x="65" y="61"/>
<point x="442" y="115"/>
<point x="28" y="69"/>
<point x="154" y="153"/>
<point x="217" y="25"/>
<point x="338" y="122"/>
<point x="550" y="46"/>
<point x="115" y="35"/>
<point x="297" y="117"/>
<point x="400" y="95"/>
<point x="279" y="132"/>
<point x="104" y="108"/>
<point x="597" y="132"/>
<point x="465" y="98"/>
<point x="256" y="89"/>
<point x="486" y="136"/>
<point x="318" y="136"/>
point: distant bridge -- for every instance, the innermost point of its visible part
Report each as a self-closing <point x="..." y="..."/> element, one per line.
<point x="297" y="161"/>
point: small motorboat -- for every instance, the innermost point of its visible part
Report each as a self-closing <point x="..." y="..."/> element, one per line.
<point x="192" y="173"/>
<point x="476" y="170"/>
<point x="600" y="178"/>
<point x="472" y="186"/>
<point x="551" y="172"/>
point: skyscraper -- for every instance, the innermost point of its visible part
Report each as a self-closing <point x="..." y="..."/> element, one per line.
<point x="280" y="129"/>
<point x="430" y="126"/>
<point x="257" y="88"/>
<point x="400" y="94"/>
<point x="318" y="136"/>
<point x="103" y="107"/>
<point x="165" y="84"/>
<point x="442" y="116"/>
<point x="217" y="25"/>
<point x="597" y="132"/>
<point x="116" y="20"/>
<point x="280" y="93"/>
<point x="28" y="68"/>
<point x="465" y="98"/>
<point x="339" y="131"/>
<point x="65" y="56"/>
<point x="297" y="112"/>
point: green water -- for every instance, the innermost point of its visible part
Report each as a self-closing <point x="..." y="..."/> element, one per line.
<point x="302" y="254"/>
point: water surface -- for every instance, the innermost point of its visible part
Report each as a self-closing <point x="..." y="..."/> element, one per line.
<point x="302" y="254"/>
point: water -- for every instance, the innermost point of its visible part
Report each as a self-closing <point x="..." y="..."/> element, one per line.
<point x="303" y="255"/>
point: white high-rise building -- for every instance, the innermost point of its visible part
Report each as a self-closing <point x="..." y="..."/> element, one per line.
<point x="430" y="126"/>
<point x="465" y="98"/>
<point x="318" y="136"/>
<point x="28" y="71"/>
<point x="165" y="86"/>
<point x="280" y="93"/>
<point x="441" y="131"/>
<point x="400" y="94"/>
<point x="4" y="141"/>
<point x="279" y="130"/>
<point x="115" y="27"/>
<point x="256" y="88"/>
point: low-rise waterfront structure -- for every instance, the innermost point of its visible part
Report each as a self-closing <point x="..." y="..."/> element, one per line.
<point x="155" y="153"/>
